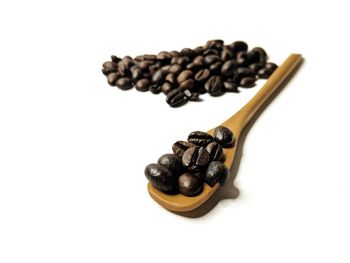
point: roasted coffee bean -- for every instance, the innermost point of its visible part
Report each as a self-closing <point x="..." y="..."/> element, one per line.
<point x="153" y="69"/>
<point x="142" y="85"/>
<point x="172" y="163"/>
<point x="164" y="57"/>
<point x="136" y="73"/>
<point x="146" y="57"/>
<point x="210" y="59"/>
<point x="158" y="77"/>
<point x="271" y="66"/>
<point x="249" y="58"/>
<point x="230" y="86"/>
<point x="194" y="96"/>
<point x="217" y="172"/>
<point x="247" y="82"/>
<point x="188" y="93"/>
<point x="109" y="67"/>
<point x="214" y="85"/>
<point x="265" y="73"/>
<point x="215" y="151"/>
<point x="167" y="87"/>
<point x="262" y="54"/>
<point x="194" y="67"/>
<point x="175" y="69"/>
<point x="155" y="88"/>
<point x="188" y="52"/>
<point x="124" y="83"/>
<point x="243" y="72"/>
<point x="195" y="159"/>
<point x="174" y="53"/>
<point x="228" y="68"/>
<point x="224" y="136"/>
<point x="161" y="178"/>
<point x="190" y="185"/>
<point x="215" y="43"/>
<point x="199" y="50"/>
<point x="181" y="146"/>
<point x="238" y="46"/>
<point x="255" y="67"/>
<point x="184" y="75"/>
<point x="176" y="98"/>
<point x="199" y="59"/>
<point x="180" y="60"/>
<point x="112" y="78"/>
<point x="226" y="54"/>
<point x="171" y="78"/>
<point x="202" y="75"/>
<point x="187" y="84"/>
<point x="115" y="59"/>
<point x="200" y="138"/>
<point x="143" y="65"/>
<point x="211" y="51"/>
<point x="215" y="68"/>
<point x="165" y="69"/>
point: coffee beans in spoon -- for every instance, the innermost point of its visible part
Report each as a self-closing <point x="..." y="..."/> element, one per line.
<point x="192" y="163"/>
<point x="183" y="76"/>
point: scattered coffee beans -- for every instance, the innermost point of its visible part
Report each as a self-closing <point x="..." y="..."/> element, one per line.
<point x="182" y="76"/>
<point x="194" y="162"/>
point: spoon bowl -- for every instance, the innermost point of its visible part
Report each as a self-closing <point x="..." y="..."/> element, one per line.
<point x="182" y="203"/>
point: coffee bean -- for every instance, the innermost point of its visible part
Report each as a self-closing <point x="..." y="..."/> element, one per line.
<point x="143" y="65"/>
<point x="158" y="77"/>
<point x="214" y="86"/>
<point x="210" y="59"/>
<point x="171" y="78"/>
<point x="248" y="58"/>
<point x="247" y="82"/>
<point x="215" y="43"/>
<point x="190" y="185"/>
<point x="184" y="75"/>
<point x="226" y="54"/>
<point x="112" y="78"/>
<point x="194" y="67"/>
<point x="211" y="51"/>
<point x="176" y="98"/>
<point x="238" y="46"/>
<point x="271" y="66"/>
<point x="167" y="87"/>
<point x="181" y="146"/>
<point x="164" y="57"/>
<point x="255" y="67"/>
<point x="230" y="86"/>
<point x="243" y="72"/>
<point x="115" y="59"/>
<point x="195" y="159"/>
<point x="199" y="59"/>
<point x="200" y="138"/>
<point x="217" y="172"/>
<point x="228" y="68"/>
<point x="261" y="53"/>
<point x="165" y="69"/>
<point x="155" y="88"/>
<point x="188" y="52"/>
<point x="215" y="151"/>
<point x="187" y="84"/>
<point x="224" y="136"/>
<point x="174" y="53"/>
<point x="136" y="73"/>
<point x="142" y="85"/>
<point x="202" y="75"/>
<point x="161" y="178"/>
<point x="198" y="50"/>
<point x="109" y="67"/>
<point x="124" y="83"/>
<point x="172" y="163"/>
<point x="215" y="68"/>
<point x="180" y="60"/>
<point x="175" y="69"/>
<point x="265" y="73"/>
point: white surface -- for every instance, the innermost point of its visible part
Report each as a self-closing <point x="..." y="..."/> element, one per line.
<point x="73" y="149"/>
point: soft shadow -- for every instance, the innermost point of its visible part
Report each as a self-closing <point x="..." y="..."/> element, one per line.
<point x="230" y="191"/>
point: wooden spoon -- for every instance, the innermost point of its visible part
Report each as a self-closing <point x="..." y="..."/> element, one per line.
<point x="236" y="124"/>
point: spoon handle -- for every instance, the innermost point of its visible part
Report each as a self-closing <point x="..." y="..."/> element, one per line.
<point x="248" y="111"/>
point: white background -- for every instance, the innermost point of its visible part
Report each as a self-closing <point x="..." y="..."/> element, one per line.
<point x="73" y="149"/>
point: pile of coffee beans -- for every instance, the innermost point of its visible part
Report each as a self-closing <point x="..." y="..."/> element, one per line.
<point x="193" y="162"/>
<point x="182" y="76"/>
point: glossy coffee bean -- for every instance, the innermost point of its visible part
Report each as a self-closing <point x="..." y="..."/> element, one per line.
<point x="124" y="83"/>
<point x="244" y="72"/>
<point x="238" y="46"/>
<point x="210" y="59"/>
<point x="175" y="69"/>
<point x="161" y="178"/>
<point x="230" y="86"/>
<point x="265" y="73"/>
<point x="214" y="43"/>
<point x="176" y="98"/>
<point x="190" y="185"/>
<point x="194" y="67"/>
<point x="200" y="138"/>
<point x="115" y="59"/>
<point x="112" y="78"/>
<point x="171" y="78"/>
<point x="228" y="68"/>
<point x="143" y="65"/>
<point x="180" y="147"/>
<point x="167" y="87"/>
<point x="199" y="59"/>
<point x="217" y="172"/>
<point x="158" y="77"/>
<point x="215" y="151"/>
<point x="142" y="85"/>
<point x="262" y="54"/>
<point x="247" y="82"/>
<point x="271" y="66"/>
<point x="172" y="162"/>
<point x="109" y="67"/>
<point x="187" y="84"/>
<point x="224" y="136"/>
<point x="214" y="86"/>
<point x="184" y="75"/>
<point x="183" y="60"/>
<point x="188" y="52"/>
<point x="255" y="67"/>
<point x="226" y="54"/>
<point x="202" y="75"/>
<point x="195" y="159"/>
<point x="136" y="73"/>
<point x="215" y="68"/>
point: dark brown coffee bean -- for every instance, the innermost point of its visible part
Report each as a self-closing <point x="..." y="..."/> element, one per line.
<point x="215" y="68"/>
<point x="180" y="147"/>
<point x="210" y="59"/>
<point x="161" y="178"/>
<point x="215" y="151"/>
<point x="109" y="67"/>
<point x="261" y="53"/>
<point x="247" y="58"/>
<point x="194" y="96"/>
<point x="171" y="78"/>
<point x="176" y="98"/>
<point x="115" y="59"/>
<point x="238" y="46"/>
<point x="142" y="85"/>
<point x="194" y="67"/>
<point x="155" y="88"/>
<point x="136" y="73"/>
<point x="180" y="60"/>
<point x="214" y="86"/>
<point x="199" y="59"/>
<point x="124" y="83"/>
<point x="200" y="138"/>
<point x="195" y="159"/>
<point x="146" y="57"/>
<point x="164" y="57"/>
<point x="230" y="86"/>
<point x="247" y="82"/>
<point x="271" y="66"/>
<point x="190" y="185"/>
<point x="167" y="87"/>
<point x="255" y="67"/>
<point x="224" y="136"/>
<point x="202" y="75"/>
<point x="158" y="77"/>
<point x="188" y="52"/>
<point x="184" y="75"/>
<point x="242" y="73"/>
<point x="165" y="69"/>
<point x="112" y="78"/>
<point x="175" y="69"/>
<point x="211" y="51"/>
<point x="217" y="172"/>
<point x="187" y="84"/>
<point x="265" y="73"/>
<point x="226" y="54"/>
<point x="172" y="163"/>
<point x="215" y="43"/>
<point x="174" y="53"/>
<point x="143" y="65"/>
<point x="228" y="68"/>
